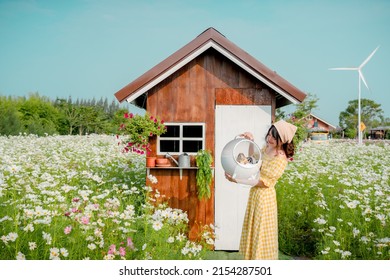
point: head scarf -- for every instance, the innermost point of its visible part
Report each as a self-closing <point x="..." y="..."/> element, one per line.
<point x="286" y="130"/>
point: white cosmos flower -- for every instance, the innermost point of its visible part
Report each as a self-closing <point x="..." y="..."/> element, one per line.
<point x="355" y="232"/>
<point x="210" y="241"/>
<point x="180" y="237"/>
<point x="64" y="252"/>
<point x="157" y="225"/>
<point x="47" y="237"/>
<point x="109" y="257"/>
<point x="152" y="179"/>
<point x="54" y="254"/>
<point x="185" y="250"/>
<point x="32" y="245"/>
<point x="320" y="221"/>
<point x="364" y="239"/>
<point x="345" y="254"/>
<point x="20" y="256"/>
<point x="381" y="217"/>
<point x="5" y="218"/>
<point x="384" y="240"/>
<point x="352" y="204"/>
<point x="12" y="236"/>
<point x="332" y="229"/>
<point x="29" y="227"/>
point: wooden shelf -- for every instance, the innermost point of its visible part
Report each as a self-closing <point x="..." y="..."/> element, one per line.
<point x="173" y="168"/>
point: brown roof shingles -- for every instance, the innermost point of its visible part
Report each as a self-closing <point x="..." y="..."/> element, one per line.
<point x="198" y="42"/>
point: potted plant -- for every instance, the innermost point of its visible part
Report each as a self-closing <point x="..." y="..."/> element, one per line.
<point x="204" y="175"/>
<point x="137" y="130"/>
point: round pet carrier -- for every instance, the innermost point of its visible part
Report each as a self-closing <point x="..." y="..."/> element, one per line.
<point x="241" y="158"/>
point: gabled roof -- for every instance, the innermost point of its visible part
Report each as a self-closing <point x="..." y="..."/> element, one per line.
<point x="325" y="122"/>
<point x="210" y="38"/>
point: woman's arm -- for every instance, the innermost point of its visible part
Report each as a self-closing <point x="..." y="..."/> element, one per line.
<point x="249" y="136"/>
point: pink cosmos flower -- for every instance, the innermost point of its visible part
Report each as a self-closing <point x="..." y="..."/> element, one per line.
<point x="130" y="243"/>
<point x="75" y="210"/>
<point x="68" y="229"/>
<point x="85" y="220"/>
<point x="122" y="251"/>
<point x="112" y="249"/>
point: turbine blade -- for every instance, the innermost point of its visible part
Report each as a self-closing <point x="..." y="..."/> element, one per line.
<point x="363" y="79"/>
<point x="368" y="58"/>
<point x="343" y="68"/>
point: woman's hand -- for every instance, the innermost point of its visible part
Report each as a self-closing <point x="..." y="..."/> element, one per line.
<point x="248" y="135"/>
<point x="230" y="178"/>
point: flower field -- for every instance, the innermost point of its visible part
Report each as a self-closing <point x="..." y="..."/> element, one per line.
<point x="80" y="197"/>
<point x="334" y="202"/>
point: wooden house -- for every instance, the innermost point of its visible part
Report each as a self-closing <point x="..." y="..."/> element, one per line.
<point x="208" y="92"/>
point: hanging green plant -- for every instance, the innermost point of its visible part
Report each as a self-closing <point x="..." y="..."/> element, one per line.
<point x="204" y="175"/>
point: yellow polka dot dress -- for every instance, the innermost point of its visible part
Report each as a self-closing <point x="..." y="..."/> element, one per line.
<point x="259" y="237"/>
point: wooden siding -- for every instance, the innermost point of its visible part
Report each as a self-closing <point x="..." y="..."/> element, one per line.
<point x="190" y="95"/>
<point x="245" y="96"/>
<point x="182" y="194"/>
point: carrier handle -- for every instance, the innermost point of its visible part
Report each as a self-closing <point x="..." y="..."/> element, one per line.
<point x="239" y="136"/>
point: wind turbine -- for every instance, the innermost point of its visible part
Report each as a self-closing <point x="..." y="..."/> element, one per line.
<point x="361" y="78"/>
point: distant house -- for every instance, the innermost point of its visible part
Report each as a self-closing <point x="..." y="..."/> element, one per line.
<point x="313" y="121"/>
<point x="208" y="92"/>
<point x="319" y="129"/>
<point x="380" y="132"/>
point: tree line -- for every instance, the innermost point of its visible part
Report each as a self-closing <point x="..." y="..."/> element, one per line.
<point x="40" y="115"/>
<point x="372" y="115"/>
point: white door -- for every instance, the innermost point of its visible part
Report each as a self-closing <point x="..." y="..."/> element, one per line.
<point x="231" y="198"/>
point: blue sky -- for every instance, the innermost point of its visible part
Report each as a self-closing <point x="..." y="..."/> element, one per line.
<point x="87" y="48"/>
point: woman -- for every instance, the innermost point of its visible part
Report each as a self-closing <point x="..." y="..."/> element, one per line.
<point x="259" y="237"/>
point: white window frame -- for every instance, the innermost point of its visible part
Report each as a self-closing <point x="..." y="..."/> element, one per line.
<point x="181" y="138"/>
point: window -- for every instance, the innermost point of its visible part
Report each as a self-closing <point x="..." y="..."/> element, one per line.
<point x="181" y="138"/>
